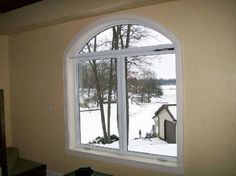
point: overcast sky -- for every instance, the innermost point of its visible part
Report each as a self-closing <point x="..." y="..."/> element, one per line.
<point x="164" y="66"/>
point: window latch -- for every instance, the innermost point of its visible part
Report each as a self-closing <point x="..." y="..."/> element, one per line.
<point x="164" y="49"/>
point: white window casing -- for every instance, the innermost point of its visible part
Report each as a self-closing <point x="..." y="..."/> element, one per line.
<point x="122" y="156"/>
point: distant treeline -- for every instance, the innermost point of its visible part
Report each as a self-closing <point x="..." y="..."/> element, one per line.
<point x="167" y="81"/>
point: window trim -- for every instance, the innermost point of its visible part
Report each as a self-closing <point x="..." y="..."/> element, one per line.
<point x="126" y="52"/>
<point x="121" y="89"/>
<point x="77" y="43"/>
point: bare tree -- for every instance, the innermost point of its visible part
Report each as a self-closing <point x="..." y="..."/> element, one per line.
<point x="122" y="36"/>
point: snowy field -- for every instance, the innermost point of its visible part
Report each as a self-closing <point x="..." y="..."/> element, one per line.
<point x="140" y="118"/>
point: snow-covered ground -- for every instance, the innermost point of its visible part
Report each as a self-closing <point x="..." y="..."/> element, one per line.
<point x="140" y="118"/>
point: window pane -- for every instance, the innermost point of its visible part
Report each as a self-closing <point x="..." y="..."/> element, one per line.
<point x="124" y="36"/>
<point x="98" y="103"/>
<point x="151" y="87"/>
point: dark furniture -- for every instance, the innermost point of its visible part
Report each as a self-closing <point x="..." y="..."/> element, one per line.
<point x="93" y="173"/>
<point x="11" y="164"/>
<point x="3" y="153"/>
<point x="22" y="167"/>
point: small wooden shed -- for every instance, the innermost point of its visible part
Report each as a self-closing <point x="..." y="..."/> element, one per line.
<point x="165" y="123"/>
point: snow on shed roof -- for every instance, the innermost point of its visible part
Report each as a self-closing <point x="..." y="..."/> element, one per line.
<point x="170" y="108"/>
<point x="173" y="109"/>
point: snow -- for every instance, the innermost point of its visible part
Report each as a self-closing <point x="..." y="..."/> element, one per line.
<point x="91" y="123"/>
<point x="153" y="146"/>
<point x="140" y="118"/>
<point x="173" y="109"/>
<point x="148" y="146"/>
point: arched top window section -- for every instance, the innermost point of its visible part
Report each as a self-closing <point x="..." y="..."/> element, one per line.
<point x="124" y="36"/>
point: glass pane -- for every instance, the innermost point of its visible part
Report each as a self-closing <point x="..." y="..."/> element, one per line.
<point x="151" y="92"/>
<point x="124" y="36"/>
<point x="98" y="103"/>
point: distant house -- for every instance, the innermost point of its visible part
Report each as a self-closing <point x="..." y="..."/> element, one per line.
<point x="165" y="123"/>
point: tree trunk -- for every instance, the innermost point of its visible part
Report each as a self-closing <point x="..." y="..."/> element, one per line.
<point x="109" y="101"/>
<point x="99" y="93"/>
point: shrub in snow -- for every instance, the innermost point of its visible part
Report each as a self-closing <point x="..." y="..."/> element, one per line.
<point x="149" y="135"/>
<point x="101" y="140"/>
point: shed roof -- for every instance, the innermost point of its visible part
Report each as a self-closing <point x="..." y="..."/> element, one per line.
<point x="170" y="108"/>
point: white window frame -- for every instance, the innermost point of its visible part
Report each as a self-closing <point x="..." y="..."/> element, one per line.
<point x="122" y="156"/>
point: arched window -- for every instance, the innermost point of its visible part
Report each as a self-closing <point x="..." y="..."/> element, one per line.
<point x="123" y="92"/>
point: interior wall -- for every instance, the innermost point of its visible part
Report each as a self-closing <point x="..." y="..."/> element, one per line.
<point x="4" y="84"/>
<point x="206" y="30"/>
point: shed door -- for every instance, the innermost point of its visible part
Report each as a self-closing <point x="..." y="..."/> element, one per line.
<point x="170" y="131"/>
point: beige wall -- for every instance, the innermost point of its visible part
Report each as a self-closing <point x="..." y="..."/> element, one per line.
<point x="4" y="84"/>
<point x="206" y="29"/>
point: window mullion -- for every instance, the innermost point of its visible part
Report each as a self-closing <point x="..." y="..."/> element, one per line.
<point x="121" y="86"/>
<point x="77" y="82"/>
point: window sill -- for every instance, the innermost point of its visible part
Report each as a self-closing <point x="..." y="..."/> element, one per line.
<point x="161" y="164"/>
